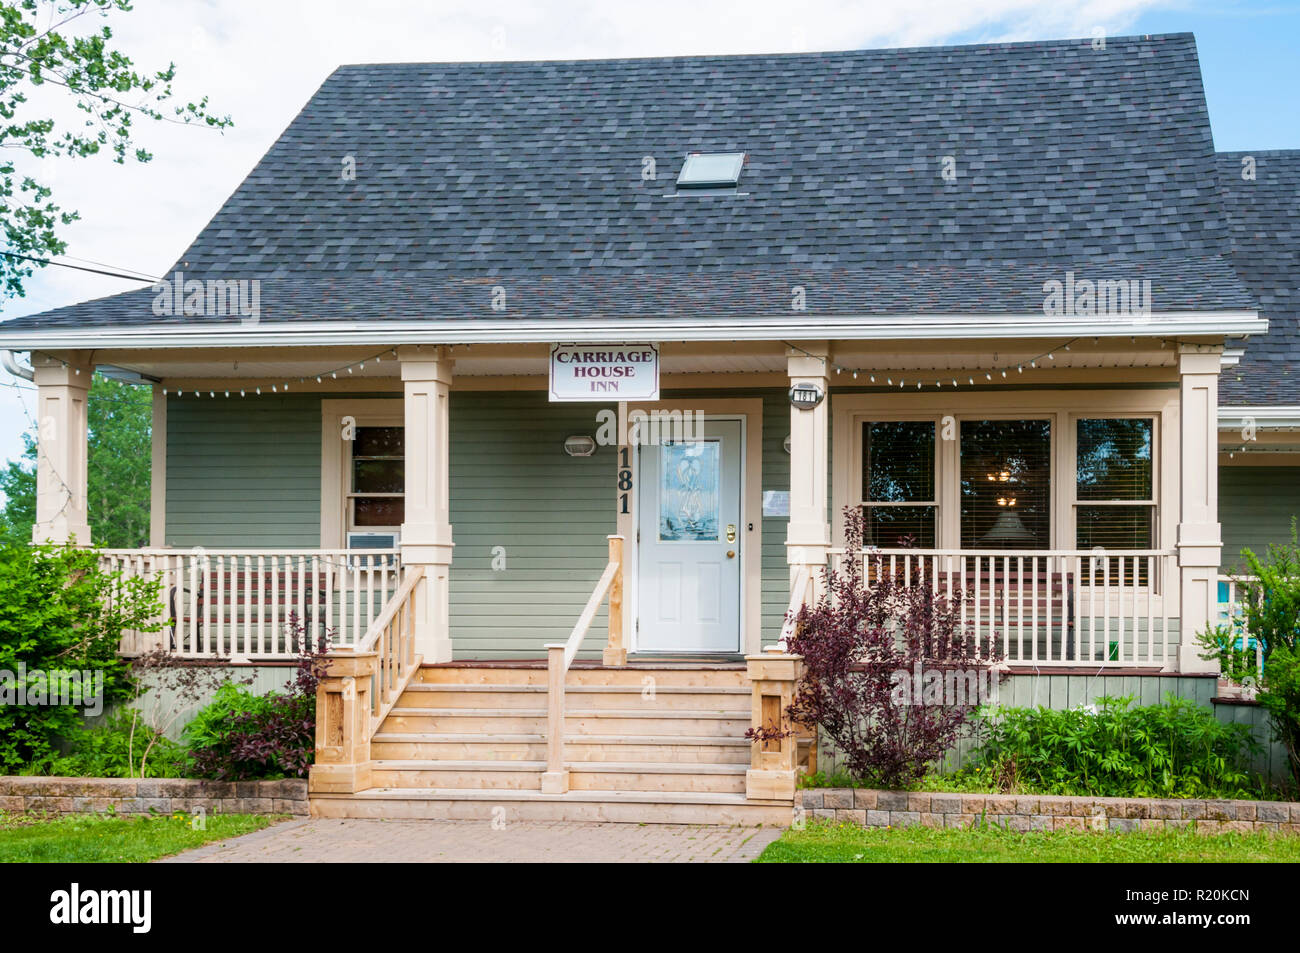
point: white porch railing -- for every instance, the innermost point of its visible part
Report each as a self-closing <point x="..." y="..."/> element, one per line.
<point x="242" y="603"/>
<point x="1080" y="608"/>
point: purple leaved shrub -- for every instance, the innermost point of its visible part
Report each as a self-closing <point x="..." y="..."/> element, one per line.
<point x="890" y="674"/>
<point x="240" y="736"/>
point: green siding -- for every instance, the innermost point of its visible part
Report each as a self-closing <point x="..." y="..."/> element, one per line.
<point x="244" y="472"/>
<point x="776" y="476"/>
<point x="513" y="486"/>
<point x="1256" y="505"/>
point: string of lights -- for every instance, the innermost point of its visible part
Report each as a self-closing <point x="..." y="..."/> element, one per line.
<point x="921" y="378"/>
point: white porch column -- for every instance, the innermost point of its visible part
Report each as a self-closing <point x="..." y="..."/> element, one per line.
<point x="61" y="456"/>
<point x="426" y="534"/>
<point x="809" y="533"/>
<point x="1199" y="538"/>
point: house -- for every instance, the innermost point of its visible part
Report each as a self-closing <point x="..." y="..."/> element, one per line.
<point x="546" y="384"/>
<point x="1259" y="394"/>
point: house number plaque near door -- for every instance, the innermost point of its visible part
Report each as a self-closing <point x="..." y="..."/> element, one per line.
<point x="806" y="395"/>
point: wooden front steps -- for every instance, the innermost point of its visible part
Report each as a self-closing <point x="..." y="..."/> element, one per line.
<point x="643" y="743"/>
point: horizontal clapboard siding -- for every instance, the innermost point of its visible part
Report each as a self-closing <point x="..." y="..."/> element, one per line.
<point x="1256" y="505"/>
<point x="244" y="472"/>
<point x="514" y="487"/>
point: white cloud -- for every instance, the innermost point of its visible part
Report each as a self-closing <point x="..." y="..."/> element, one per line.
<point x="260" y="60"/>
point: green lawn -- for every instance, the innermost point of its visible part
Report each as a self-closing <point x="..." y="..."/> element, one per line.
<point x="98" y="838"/>
<point x="843" y="843"/>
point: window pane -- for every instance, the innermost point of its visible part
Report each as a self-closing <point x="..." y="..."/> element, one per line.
<point x="378" y="511"/>
<point x="1115" y="527"/>
<point x="891" y="527"/>
<point x="379" y="442"/>
<point x="1006" y="484"/>
<point x="898" y="461"/>
<point x="1114" y="459"/>
<point x="378" y="476"/>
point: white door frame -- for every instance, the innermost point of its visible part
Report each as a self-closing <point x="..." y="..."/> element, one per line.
<point x="749" y="412"/>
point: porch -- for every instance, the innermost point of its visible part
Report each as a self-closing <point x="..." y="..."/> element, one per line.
<point x="520" y="669"/>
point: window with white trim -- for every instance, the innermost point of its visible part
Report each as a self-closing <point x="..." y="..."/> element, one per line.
<point x="1006" y="484"/>
<point x="899" y="499"/>
<point x="376" y="479"/>
<point x="1115" y="506"/>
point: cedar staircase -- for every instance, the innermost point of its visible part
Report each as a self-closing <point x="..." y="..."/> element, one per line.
<point x="647" y="743"/>
<point x="560" y="739"/>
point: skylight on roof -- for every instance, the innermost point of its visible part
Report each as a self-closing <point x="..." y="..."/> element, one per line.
<point x="708" y="170"/>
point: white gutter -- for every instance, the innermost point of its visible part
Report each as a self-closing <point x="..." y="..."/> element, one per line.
<point x="13" y="367"/>
<point x="610" y="330"/>
<point x="1260" y="418"/>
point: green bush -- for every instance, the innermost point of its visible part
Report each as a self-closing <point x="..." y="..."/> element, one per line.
<point x="1269" y="616"/>
<point x="60" y="611"/>
<point x="112" y="750"/>
<point x="240" y="736"/>
<point x="1176" y="749"/>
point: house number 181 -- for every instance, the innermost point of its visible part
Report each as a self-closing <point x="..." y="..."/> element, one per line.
<point x="624" y="479"/>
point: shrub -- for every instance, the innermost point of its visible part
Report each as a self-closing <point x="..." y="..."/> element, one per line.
<point x="113" y="748"/>
<point x="863" y="645"/>
<point x="1269" y="615"/>
<point x="242" y="737"/>
<point x="1175" y="749"/>
<point x="60" y="611"/>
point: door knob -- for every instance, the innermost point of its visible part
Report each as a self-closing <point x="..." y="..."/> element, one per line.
<point x="731" y="554"/>
<point x="731" y="532"/>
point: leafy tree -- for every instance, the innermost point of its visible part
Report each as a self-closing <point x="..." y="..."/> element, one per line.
<point x="61" y="45"/>
<point x="119" y="419"/>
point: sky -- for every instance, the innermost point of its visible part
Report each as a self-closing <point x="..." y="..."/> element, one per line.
<point x="260" y="61"/>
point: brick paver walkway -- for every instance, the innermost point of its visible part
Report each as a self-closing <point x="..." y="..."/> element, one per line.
<point x="332" y="840"/>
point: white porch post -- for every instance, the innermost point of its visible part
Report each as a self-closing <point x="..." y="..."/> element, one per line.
<point x="1199" y="537"/>
<point x="61" y="513"/>
<point x="426" y="534"/>
<point x="809" y="535"/>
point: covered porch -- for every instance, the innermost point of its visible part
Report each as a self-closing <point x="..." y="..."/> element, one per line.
<point x="265" y="508"/>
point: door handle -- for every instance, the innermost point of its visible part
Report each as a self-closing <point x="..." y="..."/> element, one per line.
<point x="731" y="554"/>
<point x="731" y="532"/>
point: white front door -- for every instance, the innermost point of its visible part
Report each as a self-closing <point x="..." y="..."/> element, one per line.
<point x="689" y="543"/>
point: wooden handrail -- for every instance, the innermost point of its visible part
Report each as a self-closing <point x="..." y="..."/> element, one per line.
<point x="560" y="655"/>
<point x="392" y="638"/>
<point x="368" y="641"/>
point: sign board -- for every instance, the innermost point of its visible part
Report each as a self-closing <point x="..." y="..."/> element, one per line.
<point x="604" y="372"/>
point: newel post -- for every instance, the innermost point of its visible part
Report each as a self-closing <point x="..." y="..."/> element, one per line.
<point x="555" y="779"/>
<point x="343" y="710"/>
<point x="615" y="648"/>
<point x="773" y="763"/>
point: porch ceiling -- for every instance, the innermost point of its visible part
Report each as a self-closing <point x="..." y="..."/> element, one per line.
<point x="530" y="360"/>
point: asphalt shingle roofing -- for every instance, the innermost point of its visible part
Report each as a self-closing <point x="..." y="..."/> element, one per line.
<point x="1264" y="213"/>
<point x="533" y="176"/>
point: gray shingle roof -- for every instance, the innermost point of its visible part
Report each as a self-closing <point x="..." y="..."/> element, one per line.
<point x="530" y="175"/>
<point x="1265" y="234"/>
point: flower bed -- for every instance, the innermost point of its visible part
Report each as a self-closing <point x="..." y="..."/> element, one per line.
<point x="54" y="795"/>
<point x="872" y="808"/>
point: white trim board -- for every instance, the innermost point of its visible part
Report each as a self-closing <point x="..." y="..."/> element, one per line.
<point x="605" y="330"/>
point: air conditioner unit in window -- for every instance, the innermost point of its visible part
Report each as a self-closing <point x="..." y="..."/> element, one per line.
<point x="360" y="542"/>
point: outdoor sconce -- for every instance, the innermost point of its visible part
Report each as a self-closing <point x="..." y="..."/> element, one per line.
<point x="579" y="446"/>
